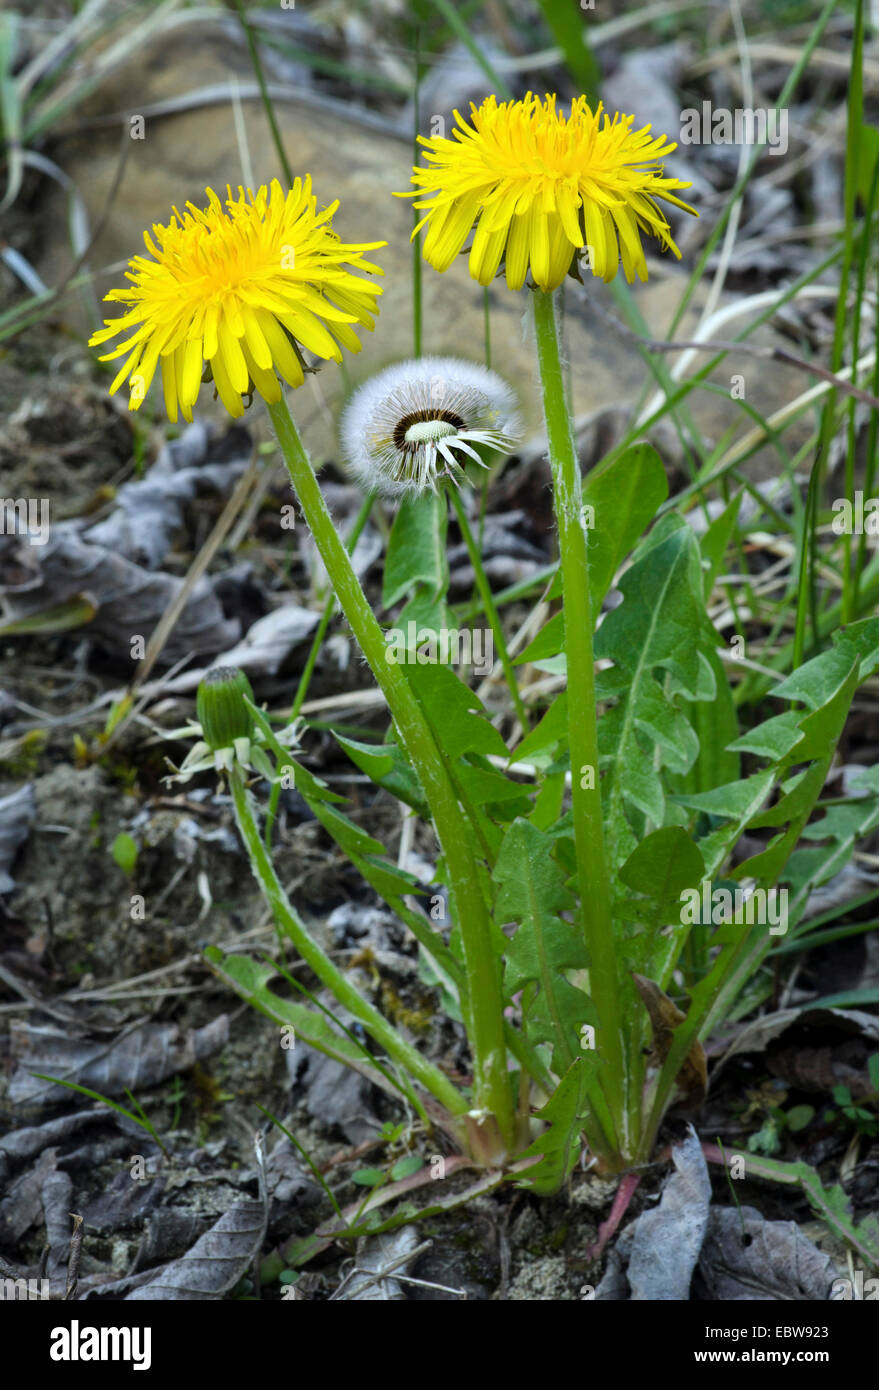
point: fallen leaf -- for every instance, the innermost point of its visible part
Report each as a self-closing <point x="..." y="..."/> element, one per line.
<point x="665" y="1017"/>
<point x="665" y="1241"/>
<point x="374" y="1255"/>
<point x="746" y="1258"/>
<point x="16" y="815"/>
<point x="215" y="1263"/>
<point x="138" y="1059"/>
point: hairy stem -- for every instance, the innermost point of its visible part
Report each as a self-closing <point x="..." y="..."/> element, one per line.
<point x="492" y="1092"/>
<point x="409" y="1058"/>
<point x="594" y="894"/>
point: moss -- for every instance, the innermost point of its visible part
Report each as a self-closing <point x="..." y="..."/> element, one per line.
<point x="558" y="1237"/>
<point x="20" y="757"/>
<point x="393" y="1007"/>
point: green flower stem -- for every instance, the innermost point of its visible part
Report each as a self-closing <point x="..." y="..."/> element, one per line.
<point x="308" y="670"/>
<point x="489" y="606"/>
<point x="582" y="721"/>
<point x="409" y="1058"/>
<point x="492" y="1090"/>
<point x="302" y="690"/>
<point x="305" y="679"/>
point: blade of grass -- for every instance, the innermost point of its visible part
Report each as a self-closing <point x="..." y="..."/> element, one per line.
<point x="807" y="591"/>
<point x="851" y="573"/>
<point x="741" y="183"/>
<point x="256" y="63"/>
<point x="489" y="607"/>
<point x="564" y="20"/>
<point x="139" y="1119"/>
<point x="823" y="938"/>
<point x="872" y="434"/>
<point x="305" y="679"/>
<point x="10" y="110"/>
<point x="306" y="1157"/>
<point x="459" y="27"/>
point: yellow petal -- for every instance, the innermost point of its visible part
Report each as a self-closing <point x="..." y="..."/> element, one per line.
<point x="518" y="249"/>
<point x="225" y="390"/>
<point x="193" y="366"/>
<point x="169" y="386"/>
<point x="233" y="357"/>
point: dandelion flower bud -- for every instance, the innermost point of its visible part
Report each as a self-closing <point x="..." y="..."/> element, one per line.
<point x="226" y="721"/>
<point x="228" y="734"/>
<point x="418" y="422"/>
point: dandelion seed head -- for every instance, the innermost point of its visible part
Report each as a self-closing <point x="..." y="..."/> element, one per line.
<point x="421" y="421"/>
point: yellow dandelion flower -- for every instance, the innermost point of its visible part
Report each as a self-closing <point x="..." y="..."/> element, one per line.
<point x="233" y="293"/>
<point x="542" y="188"/>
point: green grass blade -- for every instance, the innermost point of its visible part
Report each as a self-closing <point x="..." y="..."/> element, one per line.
<point x="564" y="20"/>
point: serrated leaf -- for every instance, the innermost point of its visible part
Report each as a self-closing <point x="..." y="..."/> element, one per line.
<point x="626" y="497"/>
<point x="531" y="891"/>
<point x="841" y="827"/>
<point x="862" y="639"/>
<point x="549" y="641"/>
<point x="455" y="711"/>
<point x="813" y="683"/>
<point x="416" y="549"/>
<point x="663" y="865"/>
<point x="658" y="627"/>
<point x="547" y="809"/>
<point x="420" y="620"/>
<point x="775" y="738"/>
<point x="348" y="836"/>
<point x="822" y="728"/>
<point x="735" y="955"/>
<point x="539" y="746"/>
<point x="388" y="767"/>
<point x="559" y="1145"/>
<point x="733" y="800"/>
<point x="715" y="723"/>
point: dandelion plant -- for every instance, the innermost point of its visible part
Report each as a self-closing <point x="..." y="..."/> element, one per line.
<point x="569" y="846"/>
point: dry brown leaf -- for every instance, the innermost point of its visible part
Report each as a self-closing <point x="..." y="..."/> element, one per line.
<point x="665" y="1017"/>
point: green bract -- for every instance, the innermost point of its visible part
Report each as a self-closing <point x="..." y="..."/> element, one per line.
<point x="230" y="732"/>
<point x="224" y="717"/>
